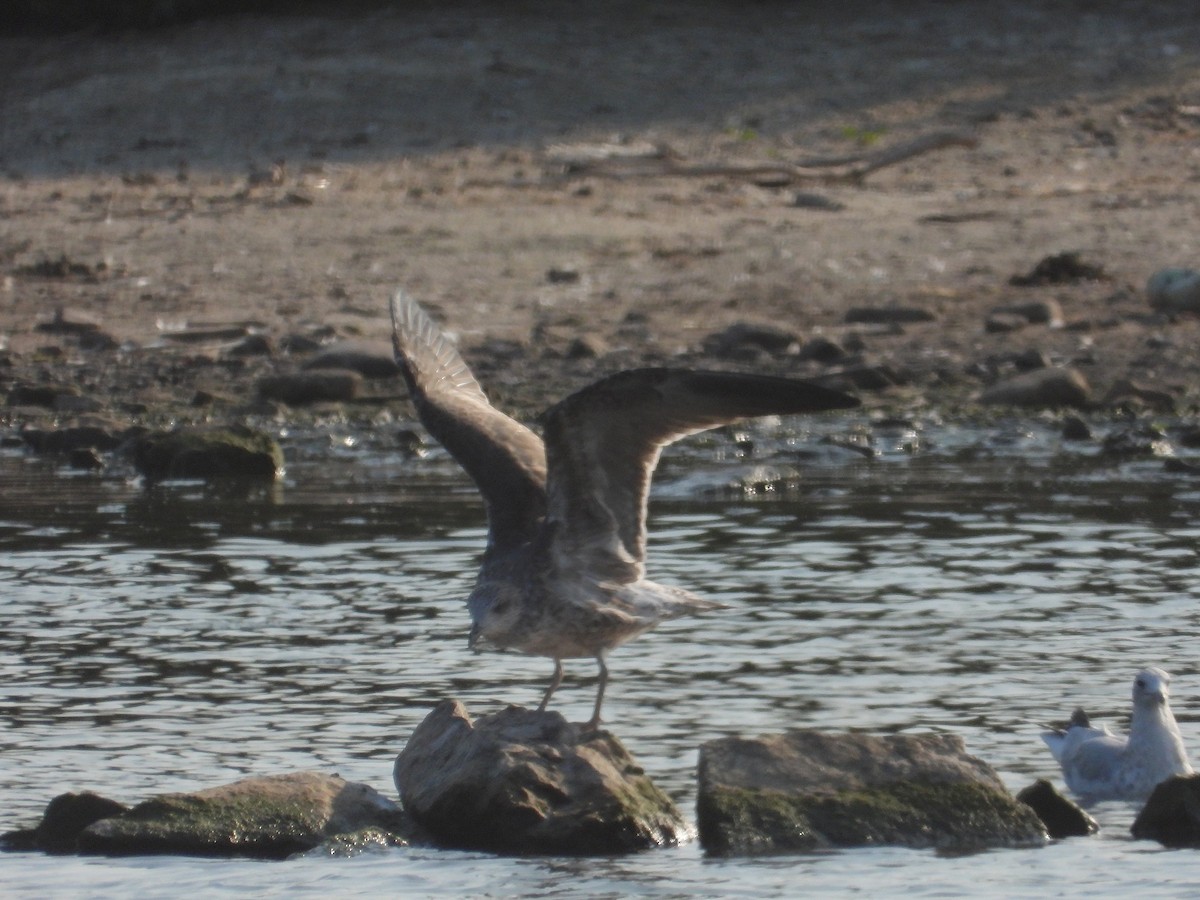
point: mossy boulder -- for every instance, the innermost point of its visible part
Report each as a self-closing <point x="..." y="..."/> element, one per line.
<point x="269" y="817"/>
<point x="236" y="452"/>
<point x="808" y="790"/>
<point x="521" y="781"/>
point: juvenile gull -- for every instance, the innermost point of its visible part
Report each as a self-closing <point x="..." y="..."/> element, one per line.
<point x="563" y="572"/>
<point x="1100" y="765"/>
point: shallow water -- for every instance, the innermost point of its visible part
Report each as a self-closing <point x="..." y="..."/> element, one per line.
<point x="178" y="637"/>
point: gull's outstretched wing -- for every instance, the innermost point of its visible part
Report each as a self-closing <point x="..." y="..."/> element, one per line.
<point x="505" y="459"/>
<point x="603" y="443"/>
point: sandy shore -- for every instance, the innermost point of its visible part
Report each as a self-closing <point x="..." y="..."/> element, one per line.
<point x="278" y="177"/>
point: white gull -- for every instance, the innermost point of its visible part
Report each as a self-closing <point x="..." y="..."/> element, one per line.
<point x="1100" y="765"/>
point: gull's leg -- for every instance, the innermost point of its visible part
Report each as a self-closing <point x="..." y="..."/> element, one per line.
<point x="594" y="723"/>
<point x="554" y="683"/>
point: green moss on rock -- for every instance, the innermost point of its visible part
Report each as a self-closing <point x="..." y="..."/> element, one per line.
<point x="946" y="816"/>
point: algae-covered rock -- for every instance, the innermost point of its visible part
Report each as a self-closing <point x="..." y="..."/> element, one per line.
<point x="807" y="790"/>
<point x="521" y="781"/>
<point x="270" y="817"/>
<point x="236" y="452"/>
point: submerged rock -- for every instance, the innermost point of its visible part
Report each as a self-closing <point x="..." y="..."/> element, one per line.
<point x="1172" y="814"/>
<point x="806" y="790"/>
<point x="236" y="452"/>
<point x="1062" y="817"/>
<point x="521" y="781"/>
<point x="269" y="817"/>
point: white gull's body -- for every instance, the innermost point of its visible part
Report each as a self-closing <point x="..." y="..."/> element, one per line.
<point x="563" y="574"/>
<point x="1100" y="765"/>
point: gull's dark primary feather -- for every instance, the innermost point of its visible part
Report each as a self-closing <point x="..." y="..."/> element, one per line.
<point x="603" y="443"/>
<point x="563" y="575"/>
<point x="505" y="459"/>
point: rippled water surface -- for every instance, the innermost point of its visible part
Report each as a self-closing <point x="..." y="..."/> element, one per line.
<point x="178" y="637"/>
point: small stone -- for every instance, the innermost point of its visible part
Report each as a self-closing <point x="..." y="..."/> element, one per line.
<point x="860" y="378"/>
<point x="997" y="323"/>
<point x="1138" y="441"/>
<point x="562" y="276"/>
<point x="822" y="350"/>
<point x="251" y="345"/>
<point x="299" y="343"/>
<point x="1034" y="312"/>
<point x="1061" y="817"/>
<point x="587" y="346"/>
<point x="69" y="321"/>
<point x="1075" y="429"/>
<point x="302" y="388"/>
<point x="39" y="394"/>
<point x="1060" y="268"/>
<point x="85" y="459"/>
<point x="806" y="200"/>
<point x="1028" y="360"/>
<point x="740" y="337"/>
<point x="1052" y="387"/>
<point x="888" y="315"/>
<point x="370" y="359"/>
<point x="1174" y="290"/>
<point x="1125" y="390"/>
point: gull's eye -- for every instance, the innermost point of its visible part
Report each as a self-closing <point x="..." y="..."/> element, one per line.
<point x="1141" y="683"/>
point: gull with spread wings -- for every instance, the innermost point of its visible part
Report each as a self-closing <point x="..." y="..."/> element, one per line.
<point x="563" y="575"/>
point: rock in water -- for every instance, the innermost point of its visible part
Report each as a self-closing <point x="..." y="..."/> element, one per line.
<point x="806" y="790"/>
<point x="236" y="452"/>
<point x="1172" y="814"/>
<point x="270" y="817"/>
<point x="521" y="781"/>
<point x="1061" y="817"/>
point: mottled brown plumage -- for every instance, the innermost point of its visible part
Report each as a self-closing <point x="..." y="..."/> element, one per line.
<point x="563" y="575"/>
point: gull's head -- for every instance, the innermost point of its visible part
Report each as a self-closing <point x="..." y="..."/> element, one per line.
<point x="495" y="612"/>
<point x="1151" y="687"/>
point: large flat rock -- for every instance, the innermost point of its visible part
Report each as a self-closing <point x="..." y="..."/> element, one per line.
<point x="807" y="790"/>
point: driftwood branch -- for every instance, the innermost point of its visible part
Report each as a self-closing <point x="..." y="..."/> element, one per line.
<point x="613" y="161"/>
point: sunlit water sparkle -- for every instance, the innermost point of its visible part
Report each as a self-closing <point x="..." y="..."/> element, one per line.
<point x="178" y="637"/>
